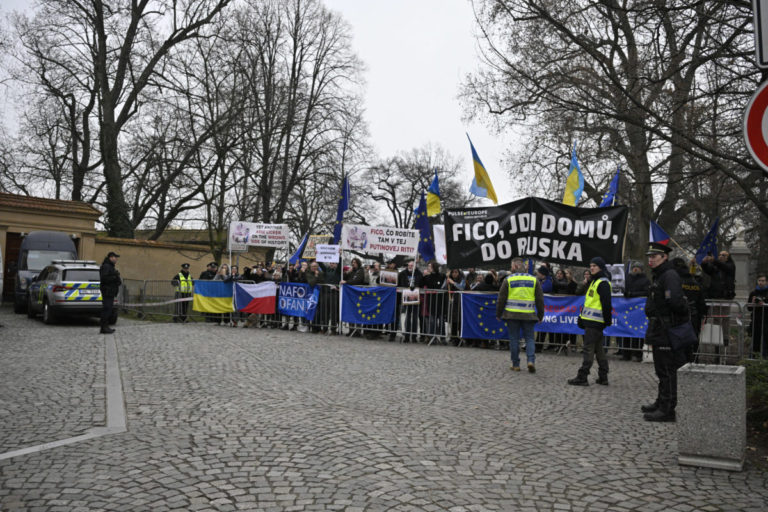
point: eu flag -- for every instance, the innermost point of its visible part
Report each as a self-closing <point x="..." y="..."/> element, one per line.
<point x="426" y="240"/>
<point x="478" y="317"/>
<point x="613" y="189"/>
<point x="297" y="255"/>
<point x="368" y="305"/>
<point x="709" y="245"/>
<point x="343" y="207"/>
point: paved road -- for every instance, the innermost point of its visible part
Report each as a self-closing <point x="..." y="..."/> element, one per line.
<point x="248" y="419"/>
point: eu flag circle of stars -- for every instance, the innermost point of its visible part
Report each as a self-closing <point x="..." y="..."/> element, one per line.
<point x="359" y="304"/>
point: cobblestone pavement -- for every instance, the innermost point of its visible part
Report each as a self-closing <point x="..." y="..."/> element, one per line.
<point x="259" y="419"/>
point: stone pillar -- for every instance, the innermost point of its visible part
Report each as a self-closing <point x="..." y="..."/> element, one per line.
<point x="712" y="416"/>
<point x="741" y="258"/>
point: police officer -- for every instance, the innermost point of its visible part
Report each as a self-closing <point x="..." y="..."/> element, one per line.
<point x="596" y="315"/>
<point x="666" y="307"/>
<point x="697" y="306"/>
<point x="521" y="305"/>
<point x="110" y="284"/>
<point x="183" y="286"/>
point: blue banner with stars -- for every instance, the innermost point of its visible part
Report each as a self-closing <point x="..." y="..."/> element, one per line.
<point x="478" y="319"/>
<point x="370" y="305"/>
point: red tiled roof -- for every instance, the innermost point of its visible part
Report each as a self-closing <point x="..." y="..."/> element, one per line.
<point x="12" y="201"/>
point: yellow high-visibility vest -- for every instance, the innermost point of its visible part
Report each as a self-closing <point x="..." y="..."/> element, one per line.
<point x="593" y="308"/>
<point x="185" y="284"/>
<point x="521" y="293"/>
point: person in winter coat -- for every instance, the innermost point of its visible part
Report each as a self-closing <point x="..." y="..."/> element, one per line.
<point x="356" y="277"/>
<point x="758" y="304"/>
<point x="596" y="315"/>
<point x="410" y="278"/>
<point x="183" y="286"/>
<point x="110" y="285"/>
<point x="637" y="285"/>
<point x="435" y="307"/>
<point x="665" y="308"/>
<point x="697" y="306"/>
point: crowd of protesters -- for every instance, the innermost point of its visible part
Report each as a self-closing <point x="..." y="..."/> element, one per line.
<point x="438" y="313"/>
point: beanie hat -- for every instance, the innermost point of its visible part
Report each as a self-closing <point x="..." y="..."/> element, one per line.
<point x="600" y="262"/>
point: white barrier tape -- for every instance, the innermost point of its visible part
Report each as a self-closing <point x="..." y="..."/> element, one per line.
<point x="150" y="304"/>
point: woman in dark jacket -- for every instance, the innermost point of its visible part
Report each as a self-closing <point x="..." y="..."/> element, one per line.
<point x="456" y="283"/>
<point x="435" y="306"/>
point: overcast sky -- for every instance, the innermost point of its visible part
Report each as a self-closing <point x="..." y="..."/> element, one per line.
<point x="417" y="54"/>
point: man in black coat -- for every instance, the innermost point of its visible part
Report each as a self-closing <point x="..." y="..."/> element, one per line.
<point x="697" y="306"/>
<point x="110" y="286"/>
<point x="665" y="308"/>
<point x="410" y="278"/>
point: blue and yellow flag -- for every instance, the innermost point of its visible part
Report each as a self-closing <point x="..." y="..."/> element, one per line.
<point x="433" y="198"/>
<point x="213" y="297"/>
<point x="368" y="305"/>
<point x="610" y="197"/>
<point x="574" y="186"/>
<point x="343" y="207"/>
<point x="481" y="184"/>
<point x="426" y="240"/>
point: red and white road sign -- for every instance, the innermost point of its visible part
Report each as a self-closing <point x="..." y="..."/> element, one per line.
<point x="756" y="126"/>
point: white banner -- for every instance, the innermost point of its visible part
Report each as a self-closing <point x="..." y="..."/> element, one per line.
<point x="326" y="253"/>
<point x="375" y="240"/>
<point x="243" y="234"/>
<point x="438" y="232"/>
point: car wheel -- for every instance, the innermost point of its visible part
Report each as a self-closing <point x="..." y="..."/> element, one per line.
<point x="30" y="309"/>
<point x="49" y="316"/>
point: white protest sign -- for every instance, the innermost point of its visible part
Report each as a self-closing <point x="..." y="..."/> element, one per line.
<point x="441" y="254"/>
<point x="375" y="240"/>
<point x="327" y="253"/>
<point x="257" y="234"/>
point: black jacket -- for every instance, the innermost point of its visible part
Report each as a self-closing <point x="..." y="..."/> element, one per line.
<point x="207" y="275"/>
<point x="404" y="279"/>
<point x="110" y="279"/>
<point x="666" y="305"/>
<point x="694" y="294"/>
<point x="637" y="285"/>
<point x="722" y="276"/>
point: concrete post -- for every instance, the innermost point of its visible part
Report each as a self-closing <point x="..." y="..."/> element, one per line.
<point x="712" y="416"/>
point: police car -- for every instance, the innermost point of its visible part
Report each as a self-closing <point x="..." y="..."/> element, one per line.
<point x="66" y="288"/>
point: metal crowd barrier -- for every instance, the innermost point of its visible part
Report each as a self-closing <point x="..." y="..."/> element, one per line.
<point x="729" y="332"/>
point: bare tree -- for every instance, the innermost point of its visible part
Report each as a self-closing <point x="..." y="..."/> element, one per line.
<point x="657" y="86"/>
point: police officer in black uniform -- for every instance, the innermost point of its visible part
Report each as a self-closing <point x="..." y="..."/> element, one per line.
<point x="666" y="307"/>
<point x="109" y="285"/>
<point x="697" y="306"/>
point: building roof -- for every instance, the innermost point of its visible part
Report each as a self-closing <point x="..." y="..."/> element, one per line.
<point x="15" y="201"/>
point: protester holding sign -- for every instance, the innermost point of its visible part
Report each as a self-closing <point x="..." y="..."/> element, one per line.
<point x="410" y="278"/>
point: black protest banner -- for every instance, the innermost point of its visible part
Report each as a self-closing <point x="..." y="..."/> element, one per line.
<point x="534" y="228"/>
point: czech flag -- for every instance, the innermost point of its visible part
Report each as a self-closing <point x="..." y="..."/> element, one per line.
<point x="256" y="298"/>
<point x="212" y="297"/>
<point x="658" y="235"/>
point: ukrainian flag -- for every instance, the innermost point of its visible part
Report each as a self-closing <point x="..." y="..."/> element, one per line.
<point x="212" y="297"/>
<point x="433" y="198"/>
<point x="481" y="185"/>
<point x="574" y="186"/>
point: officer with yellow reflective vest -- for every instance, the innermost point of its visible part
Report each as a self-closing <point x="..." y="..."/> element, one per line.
<point x="521" y="305"/>
<point x="183" y="286"/>
<point x="596" y="315"/>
